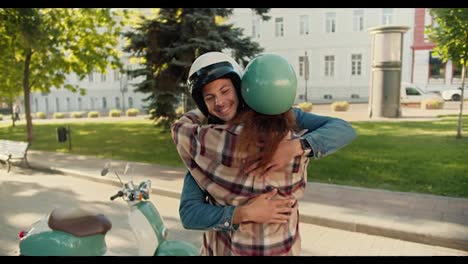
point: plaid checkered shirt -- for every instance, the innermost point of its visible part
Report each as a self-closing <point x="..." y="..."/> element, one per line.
<point x="208" y="152"/>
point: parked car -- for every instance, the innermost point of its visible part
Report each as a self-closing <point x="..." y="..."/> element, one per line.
<point x="454" y="94"/>
<point x="412" y="94"/>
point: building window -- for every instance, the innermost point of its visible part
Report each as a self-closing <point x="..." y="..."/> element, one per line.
<point x="303" y="66"/>
<point x="57" y="104"/>
<point x="116" y="75"/>
<point x="117" y="102"/>
<point x="356" y="64"/>
<point x="304" y="25"/>
<point x="46" y="101"/>
<point x="279" y="27"/>
<point x="358" y="20"/>
<point x="91" y="76"/>
<point x="255" y="27"/>
<point x="36" y="104"/>
<point x="330" y="22"/>
<point x="79" y="104"/>
<point x="387" y="16"/>
<point x="436" y="69"/>
<point x="91" y="103"/>
<point x="329" y="65"/>
<point x="68" y="104"/>
<point x="103" y="77"/>
<point x="104" y="103"/>
<point x="456" y="73"/>
<point x="130" y="102"/>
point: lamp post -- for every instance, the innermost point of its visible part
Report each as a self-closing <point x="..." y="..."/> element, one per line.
<point x="123" y="89"/>
<point x="306" y="74"/>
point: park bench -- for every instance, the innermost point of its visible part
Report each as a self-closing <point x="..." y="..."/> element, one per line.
<point x="13" y="152"/>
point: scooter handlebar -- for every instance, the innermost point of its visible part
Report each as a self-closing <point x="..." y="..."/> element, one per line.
<point x="119" y="194"/>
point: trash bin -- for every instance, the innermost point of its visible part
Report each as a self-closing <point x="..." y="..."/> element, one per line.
<point x="61" y="134"/>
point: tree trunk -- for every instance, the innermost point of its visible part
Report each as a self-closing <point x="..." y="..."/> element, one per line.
<point x="13" y="120"/>
<point x="27" y="92"/>
<point x="462" y="101"/>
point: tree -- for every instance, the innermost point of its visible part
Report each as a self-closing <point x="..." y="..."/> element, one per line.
<point x="451" y="37"/>
<point x="168" y="44"/>
<point x="46" y="44"/>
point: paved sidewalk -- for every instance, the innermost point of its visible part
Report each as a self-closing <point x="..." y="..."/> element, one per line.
<point x="428" y="219"/>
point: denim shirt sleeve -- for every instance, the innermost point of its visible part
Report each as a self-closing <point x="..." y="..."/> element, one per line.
<point x="196" y="213"/>
<point x="325" y="134"/>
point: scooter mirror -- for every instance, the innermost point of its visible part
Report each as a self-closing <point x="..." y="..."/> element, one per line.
<point x="105" y="170"/>
<point x="127" y="166"/>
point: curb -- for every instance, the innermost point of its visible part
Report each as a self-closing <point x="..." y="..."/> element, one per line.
<point x="337" y="223"/>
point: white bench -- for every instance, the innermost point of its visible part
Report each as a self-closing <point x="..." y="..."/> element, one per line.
<point x="13" y="151"/>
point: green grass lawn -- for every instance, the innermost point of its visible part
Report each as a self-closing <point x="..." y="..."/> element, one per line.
<point x="423" y="157"/>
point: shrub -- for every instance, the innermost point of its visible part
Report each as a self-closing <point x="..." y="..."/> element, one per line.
<point x="59" y="115"/>
<point x="93" y="114"/>
<point x="305" y="106"/>
<point x="151" y="112"/>
<point x="432" y="104"/>
<point x="76" y="114"/>
<point x="164" y="122"/>
<point x="179" y="111"/>
<point x="1" y="117"/>
<point x="41" y="115"/>
<point x="133" y="112"/>
<point x="115" y="113"/>
<point x="340" y="106"/>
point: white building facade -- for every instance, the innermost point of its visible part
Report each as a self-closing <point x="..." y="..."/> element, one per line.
<point x="334" y="41"/>
<point x="329" y="48"/>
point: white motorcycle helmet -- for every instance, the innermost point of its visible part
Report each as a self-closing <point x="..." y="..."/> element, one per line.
<point x="209" y="67"/>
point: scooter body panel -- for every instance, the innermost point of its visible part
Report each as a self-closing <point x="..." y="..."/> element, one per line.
<point x="58" y="243"/>
<point x="177" y="248"/>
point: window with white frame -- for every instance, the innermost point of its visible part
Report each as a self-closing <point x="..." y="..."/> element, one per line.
<point x="36" y="104"/>
<point x="117" y="102"/>
<point x="57" y="104"/>
<point x="436" y="69"/>
<point x="46" y="102"/>
<point x="329" y="65"/>
<point x="130" y="102"/>
<point x="356" y="64"/>
<point x="304" y="25"/>
<point x="303" y="67"/>
<point x="91" y="76"/>
<point x="387" y="16"/>
<point x="330" y="22"/>
<point x="103" y="77"/>
<point x="279" y="27"/>
<point x="104" y="103"/>
<point x="68" y="104"/>
<point x="358" y="20"/>
<point x="255" y="27"/>
<point x="79" y="104"/>
<point x="116" y="75"/>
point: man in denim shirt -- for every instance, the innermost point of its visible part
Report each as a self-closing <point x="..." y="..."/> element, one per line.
<point x="324" y="136"/>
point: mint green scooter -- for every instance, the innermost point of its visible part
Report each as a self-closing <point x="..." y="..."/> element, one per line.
<point x="74" y="232"/>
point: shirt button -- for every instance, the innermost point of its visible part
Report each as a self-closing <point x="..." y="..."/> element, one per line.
<point x="226" y="224"/>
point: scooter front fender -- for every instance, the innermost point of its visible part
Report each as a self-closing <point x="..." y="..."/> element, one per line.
<point x="57" y="243"/>
<point x="177" y="248"/>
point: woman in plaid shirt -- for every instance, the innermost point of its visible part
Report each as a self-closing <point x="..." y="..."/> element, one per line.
<point x="217" y="154"/>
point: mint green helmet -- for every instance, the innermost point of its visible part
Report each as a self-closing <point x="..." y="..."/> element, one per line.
<point x="269" y="84"/>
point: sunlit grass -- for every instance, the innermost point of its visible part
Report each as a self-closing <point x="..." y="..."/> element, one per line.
<point x="423" y="157"/>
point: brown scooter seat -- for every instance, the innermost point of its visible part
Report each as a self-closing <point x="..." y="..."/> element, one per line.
<point x="78" y="222"/>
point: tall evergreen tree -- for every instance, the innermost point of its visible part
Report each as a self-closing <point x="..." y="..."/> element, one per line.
<point x="168" y="44"/>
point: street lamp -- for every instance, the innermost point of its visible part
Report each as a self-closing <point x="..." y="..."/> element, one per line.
<point x="306" y="74"/>
<point x="123" y="89"/>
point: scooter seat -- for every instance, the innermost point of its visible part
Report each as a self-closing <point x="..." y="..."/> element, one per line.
<point x="78" y="222"/>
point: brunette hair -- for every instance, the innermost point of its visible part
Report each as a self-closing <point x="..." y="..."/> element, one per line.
<point x="263" y="132"/>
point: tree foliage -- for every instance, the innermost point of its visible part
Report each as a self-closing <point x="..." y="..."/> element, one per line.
<point x="451" y="37"/>
<point x="169" y="43"/>
<point x="44" y="45"/>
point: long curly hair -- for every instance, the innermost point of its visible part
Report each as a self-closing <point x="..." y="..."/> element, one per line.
<point x="262" y="133"/>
